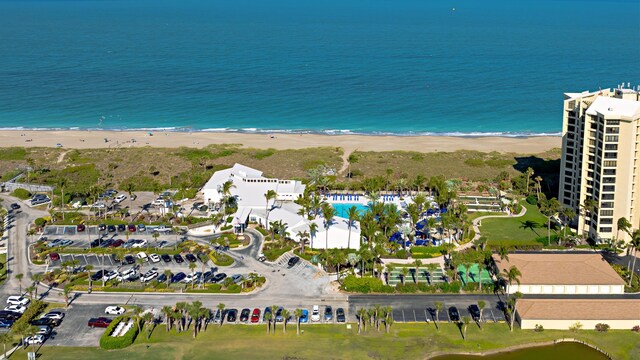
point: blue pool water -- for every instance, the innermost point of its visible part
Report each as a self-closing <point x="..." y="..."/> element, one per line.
<point x="343" y="208"/>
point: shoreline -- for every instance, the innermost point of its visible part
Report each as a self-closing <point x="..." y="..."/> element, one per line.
<point x="95" y="139"/>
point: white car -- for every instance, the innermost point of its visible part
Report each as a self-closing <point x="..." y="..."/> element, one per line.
<point x="110" y="275"/>
<point x="190" y="278"/>
<point x="142" y="255"/>
<point x="114" y="310"/>
<point x="315" y="314"/>
<point x="261" y="257"/>
<point x="126" y="275"/>
<point x="18" y="300"/>
<point x="162" y="229"/>
<point x="159" y="201"/>
<point x="140" y="243"/>
<point x="16" y="308"/>
<point x="148" y="276"/>
<point x="35" y="340"/>
<point x="154" y="258"/>
<point x="57" y="315"/>
<point x="120" y="198"/>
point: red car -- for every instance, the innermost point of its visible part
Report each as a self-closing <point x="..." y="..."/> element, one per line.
<point x="131" y="228"/>
<point x="116" y="243"/>
<point x="255" y="316"/>
<point x="101" y="322"/>
<point x="80" y="227"/>
<point x="54" y="256"/>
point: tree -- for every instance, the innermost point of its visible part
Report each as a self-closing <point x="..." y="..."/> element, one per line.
<point x="19" y="277"/>
<point x="267" y="317"/>
<point x="226" y="192"/>
<point x="431" y="268"/>
<point x="274" y="308"/>
<point x="313" y="230"/>
<point x="66" y="292"/>
<point x="147" y="320"/>
<point x="36" y="278"/>
<point x="221" y="307"/>
<point x="328" y="213"/>
<point x="587" y="208"/>
<point x="298" y="314"/>
<point x="137" y="313"/>
<point x="635" y="244"/>
<point x="548" y="209"/>
<point x="352" y="216"/>
<point x="438" y="307"/>
<point x="465" y="323"/>
<point x="503" y="252"/>
<point x="362" y="313"/>
<point x="192" y="266"/>
<point x="390" y="269"/>
<point x="29" y="290"/>
<point x="513" y="303"/>
<point x="481" y="305"/>
<point x="285" y="318"/>
<point x="268" y="196"/>
<point x="404" y="271"/>
<point x="5" y="338"/>
<point x="624" y="225"/>
<point x="568" y="214"/>
<point x="529" y="173"/>
<point x="167" y="311"/>
<point x="417" y="263"/>
<point x="511" y="275"/>
<point x="388" y="319"/>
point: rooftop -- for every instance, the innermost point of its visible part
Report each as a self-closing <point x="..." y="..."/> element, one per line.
<point x="561" y="269"/>
<point x="579" y="309"/>
<point x="614" y="107"/>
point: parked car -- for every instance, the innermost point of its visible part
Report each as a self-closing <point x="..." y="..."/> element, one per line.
<point x="100" y="322"/>
<point x="141" y="228"/>
<point x="65" y="242"/>
<point x="232" y="314"/>
<point x="148" y="276"/>
<point x="454" y="315"/>
<point x="237" y="278"/>
<point x="126" y="275"/>
<point x="117" y="243"/>
<point x="267" y="310"/>
<point x="6" y="323"/>
<point x="81" y="228"/>
<point x="304" y="318"/>
<point x="102" y="227"/>
<point x="40" y="201"/>
<point x="9" y="315"/>
<point x="178" y="277"/>
<point x="122" y="228"/>
<point x="106" y="243"/>
<point x="110" y="275"/>
<point x="261" y="257"/>
<point x="16" y="308"/>
<point x="18" y="300"/>
<point x="255" y="315"/>
<point x="15" y="206"/>
<point x="315" y="313"/>
<point x="46" y="322"/>
<point x="114" y="310"/>
<point x="190" y="278"/>
<point x="131" y="228"/>
<point x="111" y="228"/>
<point x="58" y="315"/>
<point x="95" y="243"/>
<point x="98" y="275"/>
<point x="162" y="229"/>
<point x="191" y="258"/>
<point x="328" y="313"/>
<point x="293" y="261"/>
<point x="178" y="258"/>
<point x="129" y="259"/>
<point x="278" y="315"/>
<point x="142" y="255"/>
<point x="206" y="277"/>
<point x="166" y="258"/>
<point x="35" y="340"/>
<point x="340" y="315"/>
<point x="218" y="277"/>
<point x="218" y="316"/>
<point x="120" y="198"/>
<point x="154" y="258"/>
<point x="162" y="278"/>
<point x="244" y="315"/>
<point x="54" y="256"/>
<point x="54" y="243"/>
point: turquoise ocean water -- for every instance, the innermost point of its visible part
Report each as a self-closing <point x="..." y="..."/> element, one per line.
<point x="362" y="66"/>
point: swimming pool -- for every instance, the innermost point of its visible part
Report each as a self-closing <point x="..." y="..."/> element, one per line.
<point x="343" y="208"/>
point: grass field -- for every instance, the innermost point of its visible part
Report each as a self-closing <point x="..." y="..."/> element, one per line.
<point x="3" y="270"/>
<point x="516" y="230"/>
<point x="405" y="341"/>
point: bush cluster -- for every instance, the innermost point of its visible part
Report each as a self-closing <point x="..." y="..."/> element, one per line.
<point x="21" y="194"/>
<point x="602" y="327"/>
<point x="109" y="342"/>
<point x="365" y="285"/>
<point x="35" y="308"/>
<point x="532" y="199"/>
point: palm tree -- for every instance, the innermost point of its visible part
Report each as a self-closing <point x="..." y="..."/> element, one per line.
<point x="167" y="311"/>
<point x="268" y="196"/>
<point x="5" y="338"/>
<point x="538" y="180"/>
<point x="313" y="230"/>
<point x="513" y="274"/>
<point x="481" y="306"/>
<point x="548" y="209"/>
<point x="274" y="308"/>
<point x="88" y="268"/>
<point x="328" y="212"/>
<point x="529" y="173"/>
<point x="36" y="278"/>
<point x="587" y="208"/>
<point x="362" y="313"/>
<point x="503" y="252"/>
<point x="137" y="311"/>
<point x="465" y="322"/>
<point x="352" y="216"/>
<point x="431" y="268"/>
<point x="388" y="318"/>
<point x="167" y="274"/>
<point x="196" y="312"/>
<point x="192" y="267"/>
<point x="19" y="278"/>
<point x="268" y="316"/>
<point x="66" y="292"/>
<point x="298" y="314"/>
<point x="568" y="214"/>
<point x="624" y="225"/>
<point x="404" y="271"/>
<point x="390" y="269"/>
<point x="285" y="317"/>
<point x="635" y="244"/>
<point x="29" y="290"/>
<point x="226" y="192"/>
<point x="513" y="302"/>
<point x="147" y="320"/>
<point x="221" y="307"/>
<point x="438" y="306"/>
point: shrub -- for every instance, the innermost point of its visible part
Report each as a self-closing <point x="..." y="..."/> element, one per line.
<point x="226" y="227"/>
<point x="21" y="194"/>
<point x="40" y="222"/>
<point x="365" y="285"/>
<point x="532" y="199"/>
<point x="475" y="162"/>
<point x="234" y="288"/>
<point x="539" y="328"/>
<point x="602" y="327"/>
<point x="109" y="342"/>
<point x="402" y="254"/>
<point x="636" y="328"/>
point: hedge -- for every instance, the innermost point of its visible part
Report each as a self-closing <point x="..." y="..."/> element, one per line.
<point x="365" y="285"/>
<point x="21" y="194"/>
<point x="220" y="259"/>
<point x="109" y="342"/>
<point x="35" y="308"/>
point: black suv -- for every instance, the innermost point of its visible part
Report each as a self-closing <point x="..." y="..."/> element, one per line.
<point x="129" y="259"/>
<point x="293" y="261"/>
<point x="340" y="315"/>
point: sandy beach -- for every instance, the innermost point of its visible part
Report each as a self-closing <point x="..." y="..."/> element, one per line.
<point x="77" y="139"/>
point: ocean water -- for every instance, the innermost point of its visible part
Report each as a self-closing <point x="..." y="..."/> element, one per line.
<point x="335" y="66"/>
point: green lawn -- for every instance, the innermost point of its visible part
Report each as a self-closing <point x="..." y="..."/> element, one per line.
<point x="516" y="230"/>
<point x="3" y="270"/>
<point x="405" y="341"/>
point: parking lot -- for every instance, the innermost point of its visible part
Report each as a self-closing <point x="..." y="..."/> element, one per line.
<point x="73" y="331"/>
<point x="83" y="239"/>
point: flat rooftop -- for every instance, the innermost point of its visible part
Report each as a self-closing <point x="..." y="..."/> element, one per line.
<point x="561" y="269"/>
<point x="582" y="309"/>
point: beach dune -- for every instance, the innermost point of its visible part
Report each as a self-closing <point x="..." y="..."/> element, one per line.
<point x="85" y="139"/>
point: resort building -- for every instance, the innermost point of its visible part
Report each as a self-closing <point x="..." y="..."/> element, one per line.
<point x="561" y="314"/>
<point x="600" y="133"/>
<point x="249" y="189"/>
<point x="561" y="273"/>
